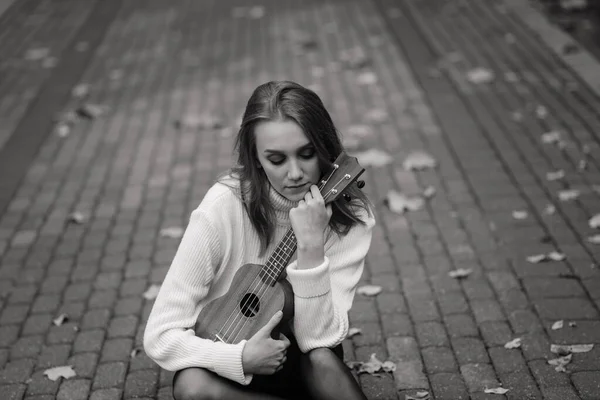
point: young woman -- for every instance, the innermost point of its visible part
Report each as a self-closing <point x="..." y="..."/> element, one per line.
<point x="286" y="140"/>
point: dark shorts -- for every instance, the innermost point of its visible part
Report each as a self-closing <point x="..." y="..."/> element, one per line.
<point x="287" y="382"/>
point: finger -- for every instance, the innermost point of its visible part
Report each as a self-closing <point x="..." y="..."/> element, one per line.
<point x="316" y="194"/>
<point x="285" y="340"/>
<point x="308" y="196"/>
<point x="269" y="326"/>
<point x="283" y="360"/>
<point x="329" y="210"/>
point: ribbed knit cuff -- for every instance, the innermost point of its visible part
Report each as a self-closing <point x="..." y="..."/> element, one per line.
<point x="227" y="362"/>
<point x="312" y="282"/>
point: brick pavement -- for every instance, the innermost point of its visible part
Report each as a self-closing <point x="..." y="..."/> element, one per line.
<point x="131" y="173"/>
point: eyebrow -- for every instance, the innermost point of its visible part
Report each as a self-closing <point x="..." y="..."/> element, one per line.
<point x="271" y="151"/>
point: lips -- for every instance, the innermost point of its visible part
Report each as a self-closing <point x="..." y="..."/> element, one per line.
<point x="298" y="186"/>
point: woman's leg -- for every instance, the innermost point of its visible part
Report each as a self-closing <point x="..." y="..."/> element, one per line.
<point x="328" y="378"/>
<point x="200" y="384"/>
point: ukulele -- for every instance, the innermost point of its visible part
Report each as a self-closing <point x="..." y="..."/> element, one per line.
<point x="257" y="292"/>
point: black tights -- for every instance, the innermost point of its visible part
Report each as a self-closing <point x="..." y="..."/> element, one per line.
<point x="323" y="376"/>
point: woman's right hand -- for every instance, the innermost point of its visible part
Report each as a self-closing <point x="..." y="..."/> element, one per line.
<point x="262" y="354"/>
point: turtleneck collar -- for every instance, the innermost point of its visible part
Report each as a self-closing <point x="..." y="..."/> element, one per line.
<point x="281" y="205"/>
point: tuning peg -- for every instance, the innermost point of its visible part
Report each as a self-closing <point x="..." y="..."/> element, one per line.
<point x="347" y="197"/>
<point x="360" y="184"/>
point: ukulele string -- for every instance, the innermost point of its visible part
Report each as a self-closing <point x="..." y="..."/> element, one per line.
<point x="235" y="325"/>
<point x="266" y="286"/>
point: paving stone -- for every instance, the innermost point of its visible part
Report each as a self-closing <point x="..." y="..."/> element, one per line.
<point x="371" y="334"/>
<point x="108" y="280"/>
<point x="559" y="393"/>
<point x="521" y="384"/>
<point x="397" y="325"/>
<point x="8" y="335"/>
<point x="575" y="308"/>
<point x="535" y="345"/>
<point x="423" y="309"/>
<point x="122" y="326"/>
<point x="62" y="334"/>
<point x="84" y="364"/>
<point x="439" y="359"/>
<point x="552" y="287"/>
<point x="409" y="374"/>
<point x="53" y="355"/>
<point x="26" y="347"/>
<point x="389" y="303"/>
<point x="453" y="303"/>
<point x="39" y="384"/>
<point x="460" y="325"/>
<point x="110" y="375"/>
<point x="431" y="334"/>
<point x="487" y="310"/>
<point x="12" y="392"/>
<point x="22" y="294"/>
<point x="116" y="350"/>
<point x="17" y="371"/>
<point x="74" y="389"/>
<point x="545" y="375"/>
<point x="525" y="321"/>
<point x="128" y="306"/>
<point x="479" y="377"/>
<point x="103" y="298"/>
<point x="141" y="361"/>
<point x="37" y="324"/>
<point x="477" y="289"/>
<point x="587" y="384"/>
<point x="46" y="304"/>
<point x="495" y="333"/>
<point x="363" y="310"/>
<point x="13" y="314"/>
<point x="469" y="350"/>
<point x="448" y="386"/>
<point x="141" y="383"/>
<point x="506" y="360"/>
<point x="107" y="394"/>
<point x="97" y="318"/>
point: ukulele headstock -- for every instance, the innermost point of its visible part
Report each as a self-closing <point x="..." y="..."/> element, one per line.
<point x="345" y="170"/>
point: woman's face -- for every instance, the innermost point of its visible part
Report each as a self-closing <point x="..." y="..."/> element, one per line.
<point x="288" y="158"/>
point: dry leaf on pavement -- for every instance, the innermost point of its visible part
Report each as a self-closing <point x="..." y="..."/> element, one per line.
<point x="174" y="232"/>
<point x="76" y="218"/>
<point x="420" y="395"/>
<point x="555" y="175"/>
<point x="551" y="137"/>
<point x="560" y="363"/>
<point x="497" y="390"/>
<point x="552" y="256"/>
<point x="366" y="78"/>
<point x="151" y="292"/>
<point x="519" y="214"/>
<point x="91" y="111"/>
<point x="373" y="158"/>
<point x="62" y="130"/>
<point x="480" y="75"/>
<point x="65" y="371"/>
<point x="549" y="209"/>
<point x="400" y="203"/>
<point x="594" y="222"/>
<point x="557" y="325"/>
<point x="61" y="319"/>
<point x="354" y="58"/>
<point x="369" y="290"/>
<point x="570" y="194"/>
<point x="429" y="192"/>
<point x="541" y="112"/>
<point x="513" y="344"/>
<point x="201" y="121"/>
<point x="460" y="273"/>
<point x="376" y="116"/>
<point x="372" y="366"/>
<point x="37" y="53"/>
<point x="570" y="348"/>
<point x="594" y="239"/>
<point x="419" y="160"/>
<point x="556" y="256"/>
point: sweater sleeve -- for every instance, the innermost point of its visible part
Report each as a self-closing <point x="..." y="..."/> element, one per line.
<point x="169" y="337"/>
<point x="324" y="294"/>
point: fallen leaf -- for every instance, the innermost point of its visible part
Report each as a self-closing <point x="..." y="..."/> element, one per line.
<point x="551" y="137"/>
<point x="513" y="344"/>
<point x="549" y="209"/>
<point x="354" y="58"/>
<point x="556" y="256"/>
<point x="151" y="292"/>
<point x="369" y="290"/>
<point x="91" y="111"/>
<point x="497" y="390"/>
<point x="594" y="222"/>
<point x="62" y="318"/>
<point x="37" y="53"/>
<point x="570" y="348"/>
<point x="366" y="78"/>
<point x="62" y="129"/>
<point x="376" y="115"/>
<point x="480" y="75"/>
<point x="174" y="232"/>
<point x="421" y="395"/>
<point x="520" y="214"/>
<point x="537" y="258"/>
<point x="65" y="371"/>
<point x="372" y="366"/>
<point x="373" y="158"/>
<point x="572" y="324"/>
<point x="460" y="273"/>
<point x="560" y="363"/>
<point x="81" y="90"/>
<point x="354" y="332"/>
<point x="135" y="352"/>
<point x="569" y="194"/>
<point x="201" y="121"/>
<point x="76" y="218"/>
<point x="594" y="239"/>
<point x="541" y="112"/>
<point x="555" y="175"/>
<point x="400" y="203"/>
<point x="429" y="192"/>
<point x="557" y="325"/>
<point x="419" y="160"/>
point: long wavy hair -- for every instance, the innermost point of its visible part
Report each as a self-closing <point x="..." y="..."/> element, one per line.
<point x="289" y="101"/>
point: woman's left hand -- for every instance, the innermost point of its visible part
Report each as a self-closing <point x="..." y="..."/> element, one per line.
<point x="309" y="220"/>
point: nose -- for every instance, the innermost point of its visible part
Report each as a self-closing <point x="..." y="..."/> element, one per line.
<point x="295" y="172"/>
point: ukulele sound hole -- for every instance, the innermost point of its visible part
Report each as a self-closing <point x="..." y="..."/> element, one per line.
<point x="250" y="305"/>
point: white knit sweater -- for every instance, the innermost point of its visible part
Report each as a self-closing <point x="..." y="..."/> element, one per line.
<point x="218" y="240"/>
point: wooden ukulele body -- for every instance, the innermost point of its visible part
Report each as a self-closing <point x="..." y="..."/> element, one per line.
<point x="247" y="306"/>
